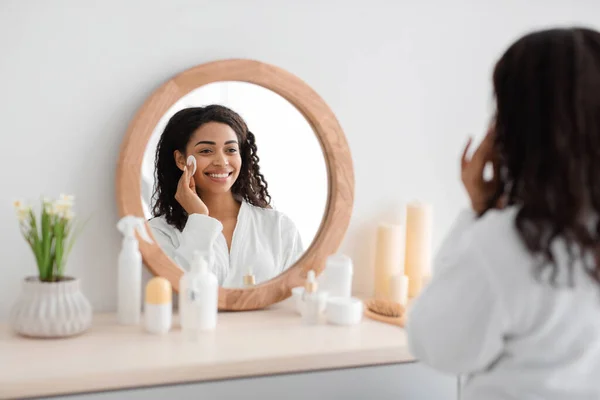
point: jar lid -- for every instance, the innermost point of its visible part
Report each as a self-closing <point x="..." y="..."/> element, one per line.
<point x="339" y="260"/>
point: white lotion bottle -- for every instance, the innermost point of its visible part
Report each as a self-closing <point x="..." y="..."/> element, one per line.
<point x="186" y="298"/>
<point x="206" y="286"/>
<point x="198" y="297"/>
<point x="129" y="275"/>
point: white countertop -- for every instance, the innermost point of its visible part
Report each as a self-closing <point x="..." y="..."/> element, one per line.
<point x="110" y="356"/>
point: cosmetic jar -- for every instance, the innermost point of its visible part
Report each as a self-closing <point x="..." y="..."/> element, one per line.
<point x="344" y="310"/>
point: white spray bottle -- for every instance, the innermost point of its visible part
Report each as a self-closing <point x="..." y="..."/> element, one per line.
<point x="129" y="292"/>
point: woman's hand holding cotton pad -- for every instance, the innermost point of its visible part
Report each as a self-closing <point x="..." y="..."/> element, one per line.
<point x="186" y="190"/>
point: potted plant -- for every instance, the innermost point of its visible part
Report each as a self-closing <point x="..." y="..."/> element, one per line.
<point x="50" y="304"/>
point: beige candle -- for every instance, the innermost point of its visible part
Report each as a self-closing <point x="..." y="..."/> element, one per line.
<point x="399" y="289"/>
<point x="389" y="257"/>
<point x="418" y="245"/>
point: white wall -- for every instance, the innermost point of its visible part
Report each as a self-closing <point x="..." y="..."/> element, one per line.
<point x="408" y="81"/>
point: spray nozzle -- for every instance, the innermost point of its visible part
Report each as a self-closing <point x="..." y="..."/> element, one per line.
<point x="129" y="224"/>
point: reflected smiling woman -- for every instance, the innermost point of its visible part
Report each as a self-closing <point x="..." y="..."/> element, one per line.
<point x="224" y="206"/>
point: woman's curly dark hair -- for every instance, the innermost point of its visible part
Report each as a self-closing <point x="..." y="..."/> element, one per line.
<point x="547" y="90"/>
<point x="250" y="185"/>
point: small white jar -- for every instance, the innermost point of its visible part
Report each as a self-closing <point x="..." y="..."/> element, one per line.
<point x="344" y="310"/>
<point x="158" y="306"/>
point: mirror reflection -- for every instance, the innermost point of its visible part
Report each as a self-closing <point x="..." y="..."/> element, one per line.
<point x="235" y="171"/>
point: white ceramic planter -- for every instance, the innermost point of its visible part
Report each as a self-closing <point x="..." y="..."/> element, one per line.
<point x="51" y="309"/>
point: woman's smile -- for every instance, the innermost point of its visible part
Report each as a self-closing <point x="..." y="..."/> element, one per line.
<point x="219" y="176"/>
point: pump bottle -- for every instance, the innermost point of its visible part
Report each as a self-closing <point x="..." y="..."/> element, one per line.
<point x="129" y="291"/>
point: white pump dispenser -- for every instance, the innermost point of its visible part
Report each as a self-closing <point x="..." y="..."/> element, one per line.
<point x="129" y="291"/>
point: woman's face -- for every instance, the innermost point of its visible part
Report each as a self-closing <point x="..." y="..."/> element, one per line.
<point x="217" y="152"/>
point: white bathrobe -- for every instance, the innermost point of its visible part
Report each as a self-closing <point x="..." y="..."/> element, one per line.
<point x="483" y="315"/>
<point x="265" y="241"/>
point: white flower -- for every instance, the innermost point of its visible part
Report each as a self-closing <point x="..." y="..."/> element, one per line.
<point x="50" y="209"/>
<point x="67" y="199"/>
<point x="62" y="206"/>
<point x="22" y="216"/>
<point x="22" y="211"/>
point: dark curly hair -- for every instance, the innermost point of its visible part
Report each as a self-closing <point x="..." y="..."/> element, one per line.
<point x="250" y="185"/>
<point x="547" y="90"/>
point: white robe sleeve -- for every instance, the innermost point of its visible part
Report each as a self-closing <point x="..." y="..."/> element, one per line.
<point x="292" y="244"/>
<point x="199" y="233"/>
<point x="457" y="323"/>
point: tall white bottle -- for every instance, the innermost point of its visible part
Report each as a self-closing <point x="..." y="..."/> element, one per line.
<point x="188" y="297"/>
<point x="199" y="297"/>
<point x="129" y="275"/>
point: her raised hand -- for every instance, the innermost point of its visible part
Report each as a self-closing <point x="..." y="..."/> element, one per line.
<point x="186" y="194"/>
<point x="483" y="193"/>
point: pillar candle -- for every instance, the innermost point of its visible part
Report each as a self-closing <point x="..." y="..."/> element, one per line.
<point x="389" y="257"/>
<point x="399" y="289"/>
<point x="417" y="262"/>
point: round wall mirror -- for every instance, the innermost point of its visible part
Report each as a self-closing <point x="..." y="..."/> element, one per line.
<point x="244" y="162"/>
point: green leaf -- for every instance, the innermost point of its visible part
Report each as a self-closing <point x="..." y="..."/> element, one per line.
<point x="59" y="229"/>
<point x="36" y="243"/>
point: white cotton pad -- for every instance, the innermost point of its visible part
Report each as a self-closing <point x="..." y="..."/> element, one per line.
<point x="191" y="160"/>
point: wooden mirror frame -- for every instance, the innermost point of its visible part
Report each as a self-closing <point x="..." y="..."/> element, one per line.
<point x="335" y="148"/>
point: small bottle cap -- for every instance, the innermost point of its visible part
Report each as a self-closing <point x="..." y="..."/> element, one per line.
<point x="158" y="291"/>
<point x="311" y="284"/>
